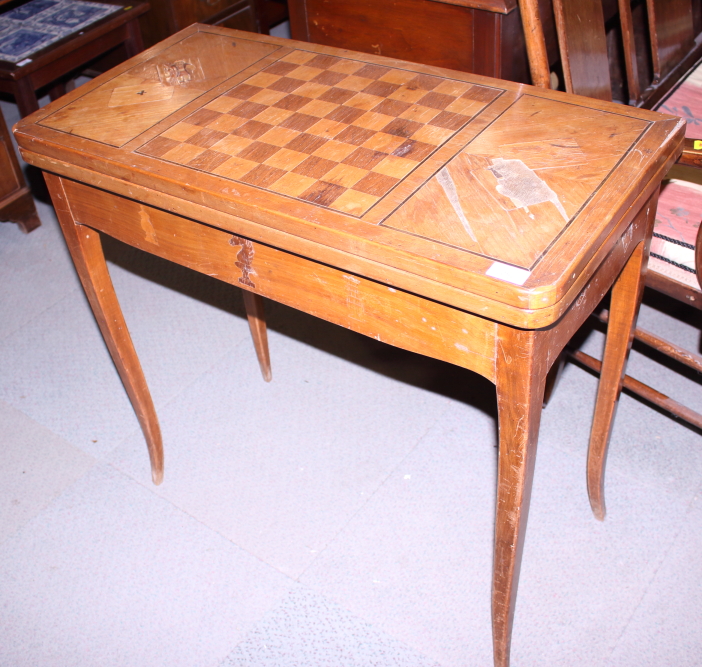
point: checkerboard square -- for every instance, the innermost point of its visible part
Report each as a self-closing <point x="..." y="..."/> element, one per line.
<point x="279" y="136"/>
<point x="391" y="108"/>
<point x="299" y="122"/>
<point x="258" y="151"/>
<point x="354" y="135"/>
<point x="285" y="84"/>
<point x="336" y="95"/>
<point x="372" y="71"/>
<point x="335" y="150"/>
<point x="306" y="73"/>
<point x="482" y="94"/>
<point x="286" y="159"/>
<point x="376" y="184"/>
<point x="414" y="150"/>
<point x="243" y="91"/>
<point x="385" y="143"/>
<point x="364" y="158"/>
<point x="344" y="175"/>
<point x="432" y="134"/>
<point x="453" y="87"/>
<point x="327" y="128"/>
<point x="159" y="146"/>
<point x="380" y="88"/>
<point x="450" y="121"/>
<point x="424" y="82"/>
<point x="353" y="202"/>
<point x="314" y="167"/>
<point x="231" y="144"/>
<point x="323" y="62"/>
<point x="306" y="143"/>
<point x="181" y="131"/>
<point x="327" y="78"/>
<point x="401" y="127"/>
<point x="408" y="95"/>
<point x="247" y="110"/>
<point x="319" y="108"/>
<point x="292" y="184"/>
<point x="183" y="153"/>
<point x="263" y="176"/>
<point x="323" y="193"/>
<point x="311" y="89"/>
<point x="397" y="167"/>
<point x="227" y="123"/>
<point x="346" y="66"/>
<point x="274" y="116"/>
<point x="281" y="68"/>
<point x="206" y="138"/>
<point x="203" y="117"/>
<point x="222" y="104"/>
<point x="345" y="114"/>
<point x="235" y="168"/>
<point x="252" y="129"/>
<point x="419" y="114"/>
<point x="292" y="102"/>
<point x="372" y="121"/>
<point x="267" y="96"/>
<point x="353" y="82"/>
<point x="436" y="100"/>
<point x="208" y="161"/>
<point x="363" y="101"/>
<point x="298" y="57"/>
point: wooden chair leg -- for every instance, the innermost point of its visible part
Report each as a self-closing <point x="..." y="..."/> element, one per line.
<point x="86" y="250"/>
<point x="626" y="299"/>
<point x="257" y="324"/>
<point x="22" y="211"/>
<point x="520" y="390"/>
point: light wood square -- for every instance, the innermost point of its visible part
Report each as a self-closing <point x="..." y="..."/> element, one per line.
<point x="227" y="123"/>
<point x="306" y="73"/>
<point x="345" y="175"/>
<point x="235" y="168"/>
<point x="465" y="106"/>
<point x="406" y="95"/>
<point x="453" y="87"/>
<point x="292" y="184"/>
<point x="432" y="135"/>
<point x="183" y="154"/>
<point x="384" y="142"/>
<point x="397" y="167"/>
<point x="181" y="131"/>
<point x="268" y="97"/>
<point x="372" y="121"/>
<point x="420" y="114"/>
<point x="262" y="79"/>
<point x="347" y="66"/>
<point x="286" y="159"/>
<point x="274" y="116"/>
<point x="279" y="136"/>
<point x="319" y="108"/>
<point x="335" y="150"/>
<point x="311" y="89"/>
<point x="354" y="203"/>
<point x="357" y="83"/>
<point x="298" y="57"/>
<point x="398" y="76"/>
<point x="223" y="104"/>
<point x="231" y="145"/>
<point x="363" y="101"/>
<point x="327" y="128"/>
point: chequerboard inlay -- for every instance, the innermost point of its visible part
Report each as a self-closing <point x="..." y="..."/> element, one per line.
<point x="336" y="132"/>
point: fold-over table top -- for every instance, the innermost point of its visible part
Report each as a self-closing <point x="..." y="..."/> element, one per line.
<point x="494" y="189"/>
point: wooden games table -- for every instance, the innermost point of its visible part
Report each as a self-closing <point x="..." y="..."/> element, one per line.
<point x="472" y="220"/>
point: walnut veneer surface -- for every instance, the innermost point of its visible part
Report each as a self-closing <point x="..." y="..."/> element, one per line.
<point x="472" y="220"/>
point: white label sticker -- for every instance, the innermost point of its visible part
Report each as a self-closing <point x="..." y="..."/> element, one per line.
<point x="24" y="62"/>
<point x="512" y="274"/>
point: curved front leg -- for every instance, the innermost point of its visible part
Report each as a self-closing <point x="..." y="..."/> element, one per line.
<point x="86" y="250"/>
<point x="521" y="377"/>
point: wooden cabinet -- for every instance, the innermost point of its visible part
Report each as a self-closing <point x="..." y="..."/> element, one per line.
<point x="169" y="16"/>
<point x="481" y="36"/>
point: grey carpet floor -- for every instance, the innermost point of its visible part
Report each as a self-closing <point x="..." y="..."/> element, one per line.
<point x="340" y="516"/>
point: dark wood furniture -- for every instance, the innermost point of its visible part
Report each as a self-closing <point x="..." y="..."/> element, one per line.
<point x="55" y="64"/>
<point x="468" y="219"/>
<point x="655" y="63"/>
<point x="16" y="202"/>
<point x="480" y="36"/>
<point x="169" y="16"/>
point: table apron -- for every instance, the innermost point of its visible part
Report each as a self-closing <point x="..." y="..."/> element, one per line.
<point x="400" y="318"/>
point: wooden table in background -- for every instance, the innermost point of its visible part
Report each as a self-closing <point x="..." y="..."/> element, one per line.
<point x="471" y="220"/>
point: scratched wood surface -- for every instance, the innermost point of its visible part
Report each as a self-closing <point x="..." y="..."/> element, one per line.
<point x="489" y="187"/>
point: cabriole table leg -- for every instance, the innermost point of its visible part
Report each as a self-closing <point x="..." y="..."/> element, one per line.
<point x="86" y="250"/>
